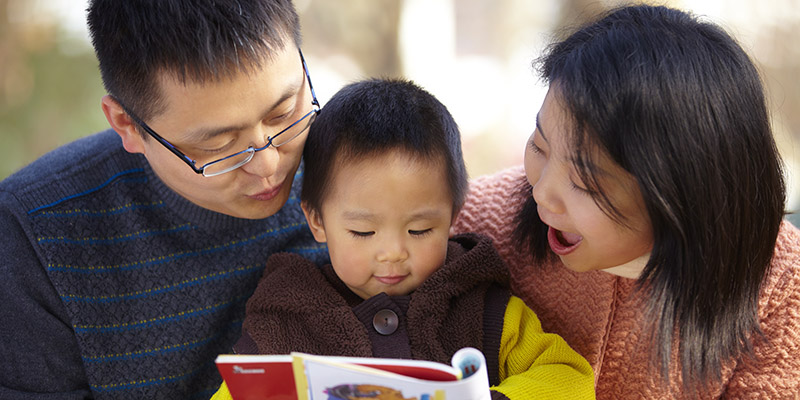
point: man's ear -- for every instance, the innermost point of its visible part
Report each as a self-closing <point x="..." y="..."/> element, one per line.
<point x="123" y="125"/>
<point x="314" y="222"/>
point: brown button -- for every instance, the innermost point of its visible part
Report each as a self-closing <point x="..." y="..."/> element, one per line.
<point x="385" y="322"/>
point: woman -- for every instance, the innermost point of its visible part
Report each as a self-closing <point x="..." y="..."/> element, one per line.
<point x="646" y="227"/>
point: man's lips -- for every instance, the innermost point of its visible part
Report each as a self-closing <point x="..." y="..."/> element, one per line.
<point x="268" y="194"/>
<point x="390" y="280"/>
<point x="563" y="243"/>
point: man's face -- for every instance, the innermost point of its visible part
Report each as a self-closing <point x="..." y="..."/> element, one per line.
<point x="216" y="119"/>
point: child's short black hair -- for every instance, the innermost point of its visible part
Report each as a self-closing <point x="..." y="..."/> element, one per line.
<point x="371" y="117"/>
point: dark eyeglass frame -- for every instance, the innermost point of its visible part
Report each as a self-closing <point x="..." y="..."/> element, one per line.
<point x="315" y="108"/>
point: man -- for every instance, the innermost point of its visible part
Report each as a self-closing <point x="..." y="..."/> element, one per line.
<point x="129" y="255"/>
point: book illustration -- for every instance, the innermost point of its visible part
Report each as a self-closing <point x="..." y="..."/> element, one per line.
<point x="359" y="392"/>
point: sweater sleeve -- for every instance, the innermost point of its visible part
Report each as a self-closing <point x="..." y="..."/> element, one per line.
<point x="774" y="371"/>
<point x="535" y="364"/>
<point x="40" y="354"/>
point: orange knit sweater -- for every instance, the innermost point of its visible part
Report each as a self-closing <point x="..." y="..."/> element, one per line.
<point x="600" y="316"/>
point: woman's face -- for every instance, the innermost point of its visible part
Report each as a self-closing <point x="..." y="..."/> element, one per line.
<point x="580" y="233"/>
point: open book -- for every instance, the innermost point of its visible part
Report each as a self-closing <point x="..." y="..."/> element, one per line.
<point x="305" y="376"/>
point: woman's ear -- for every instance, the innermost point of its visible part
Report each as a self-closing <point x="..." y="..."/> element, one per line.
<point x="119" y="120"/>
<point x="314" y="222"/>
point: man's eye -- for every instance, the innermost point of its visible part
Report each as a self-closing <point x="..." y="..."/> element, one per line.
<point x="214" y="150"/>
<point x="281" y="118"/>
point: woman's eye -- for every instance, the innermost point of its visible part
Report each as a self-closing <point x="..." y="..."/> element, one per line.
<point x="361" y="234"/>
<point x="534" y="148"/>
<point x="580" y="189"/>
<point x="422" y="232"/>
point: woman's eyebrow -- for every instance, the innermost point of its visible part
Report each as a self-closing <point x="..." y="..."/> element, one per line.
<point x="539" y="128"/>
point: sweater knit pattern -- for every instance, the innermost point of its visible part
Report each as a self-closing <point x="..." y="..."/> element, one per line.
<point x="601" y="316"/>
<point x="154" y="286"/>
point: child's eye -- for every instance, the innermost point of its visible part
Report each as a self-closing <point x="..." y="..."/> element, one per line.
<point x="360" y="234"/>
<point x="419" y="232"/>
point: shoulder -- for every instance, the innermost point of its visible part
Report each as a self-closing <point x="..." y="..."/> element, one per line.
<point x="491" y="207"/>
<point x="291" y="278"/>
<point x="782" y="285"/>
<point x="65" y="159"/>
<point x="289" y="268"/>
<point x="496" y="188"/>
<point x="474" y="252"/>
<point x="787" y="245"/>
<point x="72" y="169"/>
<point x="492" y="199"/>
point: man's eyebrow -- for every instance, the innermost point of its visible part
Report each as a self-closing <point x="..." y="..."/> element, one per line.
<point x="203" y="134"/>
<point x="539" y="128"/>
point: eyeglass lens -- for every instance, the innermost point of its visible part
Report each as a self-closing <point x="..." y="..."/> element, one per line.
<point x="237" y="160"/>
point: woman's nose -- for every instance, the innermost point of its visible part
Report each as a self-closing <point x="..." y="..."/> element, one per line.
<point x="545" y="192"/>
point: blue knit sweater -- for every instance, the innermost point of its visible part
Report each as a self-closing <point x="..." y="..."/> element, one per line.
<point x="113" y="286"/>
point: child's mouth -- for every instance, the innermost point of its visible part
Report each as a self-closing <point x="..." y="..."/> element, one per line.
<point x="563" y="243"/>
<point x="390" y="280"/>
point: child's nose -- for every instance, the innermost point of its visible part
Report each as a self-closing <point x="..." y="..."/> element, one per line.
<point x="393" y="251"/>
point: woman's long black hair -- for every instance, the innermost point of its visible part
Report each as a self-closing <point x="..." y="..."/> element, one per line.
<point x="677" y="103"/>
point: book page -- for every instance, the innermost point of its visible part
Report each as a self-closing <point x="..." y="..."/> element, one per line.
<point x="320" y="378"/>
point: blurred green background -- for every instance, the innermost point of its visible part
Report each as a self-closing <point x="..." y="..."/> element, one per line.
<point x="49" y="85"/>
<point x="473" y="54"/>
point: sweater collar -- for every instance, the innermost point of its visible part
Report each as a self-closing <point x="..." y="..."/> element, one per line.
<point x="212" y="221"/>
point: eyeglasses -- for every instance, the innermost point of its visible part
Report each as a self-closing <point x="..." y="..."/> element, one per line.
<point x="234" y="161"/>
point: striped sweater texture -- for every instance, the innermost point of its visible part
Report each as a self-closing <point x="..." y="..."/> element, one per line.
<point x="153" y="286"/>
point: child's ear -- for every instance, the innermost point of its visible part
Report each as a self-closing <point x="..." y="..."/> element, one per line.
<point x="314" y="222"/>
<point x="453" y="220"/>
<point x="132" y="141"/>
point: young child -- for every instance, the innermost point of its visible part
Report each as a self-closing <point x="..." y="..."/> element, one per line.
<point x="384" y="178"/>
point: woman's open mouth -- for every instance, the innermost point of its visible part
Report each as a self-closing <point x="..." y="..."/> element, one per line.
<point x="563" y="243"/>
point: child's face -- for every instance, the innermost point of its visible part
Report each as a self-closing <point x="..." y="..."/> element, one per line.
<point x="386" y="220"/>
<point x="580" y="233"/>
